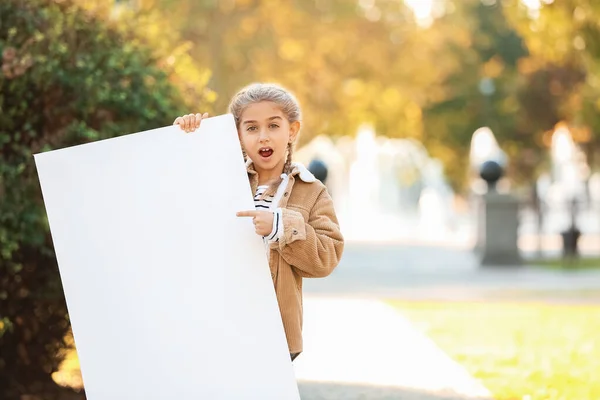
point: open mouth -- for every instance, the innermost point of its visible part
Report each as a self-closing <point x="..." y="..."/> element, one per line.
<point x="265" y="152"/>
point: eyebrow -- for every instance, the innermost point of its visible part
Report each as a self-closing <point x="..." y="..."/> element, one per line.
<point x="270" y="119"/>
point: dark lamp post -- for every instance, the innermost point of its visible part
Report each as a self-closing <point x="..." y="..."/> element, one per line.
<point x="318" y="169"/>
<point x="491" y="172"/>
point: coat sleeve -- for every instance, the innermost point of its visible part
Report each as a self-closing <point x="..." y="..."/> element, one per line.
<point x="312" y="247"/>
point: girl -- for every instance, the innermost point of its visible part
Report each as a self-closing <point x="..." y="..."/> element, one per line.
<point x="294" y="212"/>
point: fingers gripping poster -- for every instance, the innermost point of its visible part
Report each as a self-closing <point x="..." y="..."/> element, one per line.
<point x="169" y="293"/>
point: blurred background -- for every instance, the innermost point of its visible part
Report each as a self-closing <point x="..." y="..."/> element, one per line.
<point x="459" y="140"/>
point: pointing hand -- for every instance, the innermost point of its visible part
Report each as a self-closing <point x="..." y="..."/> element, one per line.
<point x="263" y="220"/>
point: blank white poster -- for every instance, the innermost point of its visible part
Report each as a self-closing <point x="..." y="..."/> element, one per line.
<point x="169" y="292"/>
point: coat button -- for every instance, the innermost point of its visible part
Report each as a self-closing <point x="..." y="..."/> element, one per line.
<point x="285" y="194"/>
<point x="294" y="232"/>
<point x="272" y="275"/>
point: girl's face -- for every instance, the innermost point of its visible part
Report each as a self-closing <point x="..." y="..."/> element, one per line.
<point x="265" y="133"/>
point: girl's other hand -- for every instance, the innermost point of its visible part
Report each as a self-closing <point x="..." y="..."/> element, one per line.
<point x="190" y="122"/>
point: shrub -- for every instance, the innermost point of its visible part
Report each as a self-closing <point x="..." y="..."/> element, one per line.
<point x="66" y="78"/>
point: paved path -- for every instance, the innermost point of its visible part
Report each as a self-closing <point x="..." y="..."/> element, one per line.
<point x="400" y="271"/>
<point x="365" y="349"/>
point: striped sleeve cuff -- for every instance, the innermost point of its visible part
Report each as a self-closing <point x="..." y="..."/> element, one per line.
<point x="277" y="230"/>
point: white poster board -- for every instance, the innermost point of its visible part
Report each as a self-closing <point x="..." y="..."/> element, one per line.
<point x="169" y="292"/>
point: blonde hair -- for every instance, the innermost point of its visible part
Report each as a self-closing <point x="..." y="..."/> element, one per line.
<point x="258" y="92"/>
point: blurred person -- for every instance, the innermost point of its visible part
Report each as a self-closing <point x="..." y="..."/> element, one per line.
<point x="293" y="212"/>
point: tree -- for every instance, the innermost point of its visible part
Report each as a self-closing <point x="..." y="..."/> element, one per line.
<point x="406" y="80"/>
<point x="306" y="47"/>
<point x="564" y="41"/>
<point x="67" y="77"/>
<point x="479" y="63"/>
<point x="478" y="86"/>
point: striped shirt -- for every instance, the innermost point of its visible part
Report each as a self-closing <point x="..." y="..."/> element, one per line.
<point x="266" y="204"/>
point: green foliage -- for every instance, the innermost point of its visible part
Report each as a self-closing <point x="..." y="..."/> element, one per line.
<point x="67" y="78"/>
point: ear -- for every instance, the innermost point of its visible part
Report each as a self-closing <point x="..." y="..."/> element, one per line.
<point x="294" y="129"/>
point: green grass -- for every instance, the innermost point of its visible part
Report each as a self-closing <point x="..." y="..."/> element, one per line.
<point x="581" y="263"/>
<point x="518" y="351"/>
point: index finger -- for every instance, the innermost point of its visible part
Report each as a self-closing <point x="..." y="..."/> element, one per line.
<point x="249" y="213"/>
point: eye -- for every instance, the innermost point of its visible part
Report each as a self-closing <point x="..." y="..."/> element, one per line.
<point x="251" y="128"/>
<point x="273" y="126"/>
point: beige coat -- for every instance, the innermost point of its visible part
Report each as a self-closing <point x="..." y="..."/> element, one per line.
<point x="310" y="247"/>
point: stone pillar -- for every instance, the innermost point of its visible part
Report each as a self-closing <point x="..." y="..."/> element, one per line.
<point x="498" y="223"/>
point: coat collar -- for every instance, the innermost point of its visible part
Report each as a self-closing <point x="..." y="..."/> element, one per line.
<point x="298" y="169"/>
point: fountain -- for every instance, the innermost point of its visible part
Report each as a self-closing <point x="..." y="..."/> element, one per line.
<point x="569" y="168"/>
<point x="383" y="188"/>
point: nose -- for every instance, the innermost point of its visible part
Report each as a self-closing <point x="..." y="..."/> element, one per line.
<point x="263" y="135"/>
